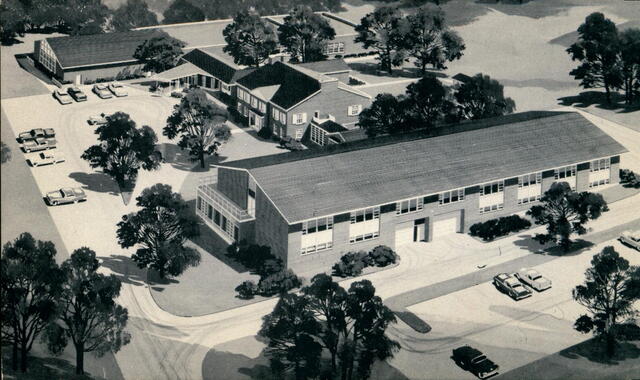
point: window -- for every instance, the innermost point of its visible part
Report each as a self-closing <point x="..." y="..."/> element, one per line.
<point x="565" y="172"/>
<point x="491" y="196"/>
<point x="354" y="110"/>
<point x="529" y="179"/>
<point x="299" y="118"/>
<point x="491" y="208"/>
<point x="262" y="106"/>
<point x="283" y="118"/>
<point x="318" y="135"/>
<point x="47" y="56"/>
<point x="408" y="206"/>
<point x="451" y="196"/>
<point x="491" y="188"/>
<point x="254" y="102"/>
<point x="365" y="224"/>
<point x="528" y="200"/>
<point x="298" y="133"/>
<point x="209" y="211"/>
<point x="598" y="165"/>
<point x="216" y="217"/>
<point x="334" y="48"/>
<point x="599" y="182"/>
<point x="317" y="235"/>
<point x="275" y="113"/>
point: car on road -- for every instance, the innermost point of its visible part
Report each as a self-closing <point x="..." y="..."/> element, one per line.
<point x="117" y="89"/>
<point x="102" y="91"/>
<point x="41" y="143"/>
<point x="631" y="238"/>
<point x="77" y="94"/>
<point x="97" y="119"/>
<point x="533" y="278"/>
<point x="510" y="285"/>
<point x="36" y="133"/>
<point x="62" y="97"/>
<point x="46" y="158"/>
<point x="66" y="195"/>
<point x="474" y="361"/>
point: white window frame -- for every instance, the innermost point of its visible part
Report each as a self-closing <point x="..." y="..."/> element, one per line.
<point x="354" y="110"/>
<point x="530" y="179"/>
<point x="299" y="118"/>
<point x="254" y="102"/>
<point x="448" y="197"/>
<point x="601" y="164"/>
<point x="418" y="205"/>
<point x="528" y="200"/>
<point x="565" y="172"/>
<point x="299" y="134"/>
<point x="311" y="227"/>
<point x="318" y="135"/>
<point x="366" y="215"/>
<point x="491" y="208"/>
<point x="500" y="188"/>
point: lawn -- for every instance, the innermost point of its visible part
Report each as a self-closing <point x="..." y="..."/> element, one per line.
<point x="41" y="369"/>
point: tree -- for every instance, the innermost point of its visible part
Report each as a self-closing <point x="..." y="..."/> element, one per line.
<point x="565" y="212"/>
<point x="383" y="30"/>
<point x="597" y="51"/>
<point x="161" y="228"/>
<point x="89" y="315"/>
<point x="249" y="39"/>
<point x="182" y="11"/>
<point x="419" y="3"/>
<point x="430" y="41"/>
<point x="159" y="53"/>
<point x="133" y="14"/>
<point x="5" y="152"/>
<point x="630" y="60"/>
<point x="291" y="330"/>
<point x="304" y="34"/>
<point x="82" y="17"/>
<point x="31" y="286"/>
<point x="482" y="97"/>
<point x="428" y="102"/>
<point x="609" y="292"/>
<point x="200" y="124"/>
<point x="13" y="18"/>
<point x="123" y="149"/>
<point x="387" y="114"/>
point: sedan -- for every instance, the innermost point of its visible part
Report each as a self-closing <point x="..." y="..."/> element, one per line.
<point x="632" y="239"/>
<point x="39" y="144"/>
<point x="46" y="158"/>
<point x="102" y="91"/>
<point x="534" y="279"/>
<point x="510" y="285"/>
<point x="117" y="89"/>
<point x="77" y="94"/>
<point x="36" y="133"/>
<point x="66" y="195"/>
<point x="62" y="97"/>
<point x="474" y="361"/>
<point x="97" y="119"/>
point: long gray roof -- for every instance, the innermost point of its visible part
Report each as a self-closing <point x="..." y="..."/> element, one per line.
<point x="325" y="184"/>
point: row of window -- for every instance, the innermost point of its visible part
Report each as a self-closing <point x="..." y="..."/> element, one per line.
<point x="46" y="56"/>
<point x="255" y="102"/>
<point x="317" y="225"/>
<point x="334" y="48"/>
<point x="225" y="224"/>
<point x="566" y="172"/>
<point x="526" y="200"/>
<point x="409" y="206"/>
<point x="318" y="135"/>
<point x="365" y="214"/>
<point x="599" y="182"/>
<point x="279" y="115"/>
<point x="316" y="248"/>
<point x="451" y="196"/>
<point x="530" y="179"/>
<point x="598" y="165"/>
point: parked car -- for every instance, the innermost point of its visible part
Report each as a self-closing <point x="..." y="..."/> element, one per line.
<point x="474" y="361"/>
<point x="46" y="158"/>
<point x="97" y="119"/>
<point x="102" y="91"/>
<point x="39" y="144"/>
<point x="66" y="195"/>
<point x="62" y="97"/>
<point x="510" y="285"/>
<point x="631" y="238"/>
<point x="117" y="89"/>
<point x="77" y="94"/>
<point x="533" y="278"/>
<point x="36" y="133"/>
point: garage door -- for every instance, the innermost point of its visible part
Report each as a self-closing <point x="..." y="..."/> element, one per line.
<point x="404" y="234"/>
<point x="445" y="227"/>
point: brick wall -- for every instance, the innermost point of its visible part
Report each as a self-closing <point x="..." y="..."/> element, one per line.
<point x="271" y="228"/>
<point x="234" y="184"/>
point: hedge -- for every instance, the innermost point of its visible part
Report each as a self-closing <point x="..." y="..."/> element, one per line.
<point x="494" y="228"/>
<point x="629" y="178"/>
<point x="352" y="264"/>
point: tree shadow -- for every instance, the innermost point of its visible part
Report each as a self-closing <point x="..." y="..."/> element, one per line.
<point x="96" y="181"/>
<point x="528" y="243"/>
<point x="598" y="98"/>
<point x="125" y="269"/>
<point x="179" y="158"/>
<point x="231" y="366"/>
<point x="372" y="68"/>
<point x="595" y="350"/>
<point x="41" y="368"/>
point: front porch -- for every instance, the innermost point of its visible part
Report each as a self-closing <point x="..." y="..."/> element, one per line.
<point x="188" y="74"/>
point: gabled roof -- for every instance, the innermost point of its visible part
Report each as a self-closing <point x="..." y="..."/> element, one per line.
<point x="326" y="67"/>
<point x="225" y="71"/>
<point x="295" y="85"/>
<point x="331" y="126"/>
<point x="183" y="70"/>
<point x="358" y="175"/>
<point x="95" y="49"/>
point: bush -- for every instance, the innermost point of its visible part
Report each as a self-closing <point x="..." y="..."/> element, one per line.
<point x="246" y="290"/>
<point x="629" y="178"/>
<point x="291" y="144"/>
<point x="278" y="283"/>
<point x="381" y="256"/>
<point x="265" y="133"/>
<point x="493" y="228"/>
<point x="270" y="266"/>
<point x="351" y="264"/>
<point x="353" y="81"/>
<point x="252" y="256"/>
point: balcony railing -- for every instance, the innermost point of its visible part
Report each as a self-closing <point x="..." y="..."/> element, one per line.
<point x="208" y="187"/>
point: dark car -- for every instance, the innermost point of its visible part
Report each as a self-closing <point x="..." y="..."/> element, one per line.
<point x="474" y="361"/>
<point x="77" y="94"/>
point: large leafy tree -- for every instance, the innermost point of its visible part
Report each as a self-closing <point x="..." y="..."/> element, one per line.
<point x="565" y="212"/>
<point x="387" y="114"/>
<point x="160" y="228"/>
<point x="13" y="19"/>
<point x="383" y="31"/>
<point x="430" y="41"/>
<point x="304" y="34"/>
<point x="31" y="286"/>
<point x="89" y="315"/>
<point x="182" y="11"/>
<point x="123" y="149"/>
<point x="249" y="39"/>
<point x="83" y="16"/>
<point x="597" y="52"/>
<point x="630" y="61"/>
<point x="610" y="290"/>
<point x="159" y="53"/>
<point x="482" y="97"/>
<point x="133" y="14"/>
<point x="428" y="102"/>
<point x="200" y="123"/>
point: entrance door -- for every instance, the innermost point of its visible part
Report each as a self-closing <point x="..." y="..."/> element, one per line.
<point x="445" y="227"/>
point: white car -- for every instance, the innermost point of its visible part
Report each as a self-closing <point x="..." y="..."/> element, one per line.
<point x="97" y="119"/>
<point x="117" y="89"/>
<point x="533" y="278"/>
<point x="62" y="97"/>
<point x="631" y="238"/>
<point x="46" y="158"/>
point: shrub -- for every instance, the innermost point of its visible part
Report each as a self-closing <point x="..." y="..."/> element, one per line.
<point x="351" y="264"/>
<point x="253" y="256"/>
<point x="270" y="266"/>
<point x="246" y="290"/>
<point x="291" y="144"/>
<point x="278" y="283"/>
<point x="493" y="228"/>
<point x="629" y="178"/>
<point x="353" y="81"/>
<point x="265" y="133"/>
<point x="382" y="256"/>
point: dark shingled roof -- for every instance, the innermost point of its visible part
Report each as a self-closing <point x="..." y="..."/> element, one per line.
<point x="98" y="49"/>
<point x="328" y="66"/>
<point x="331" y="126"/>
<point x="294" y="85"/>
<point x="215" y="66"/>
<point x="358" y="175"/>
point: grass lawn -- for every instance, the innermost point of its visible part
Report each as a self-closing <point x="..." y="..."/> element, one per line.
<point x="41" y="369"/>
<point x="583" y="361"/>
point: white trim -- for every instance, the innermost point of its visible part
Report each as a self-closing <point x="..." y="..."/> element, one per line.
<point x="97" y="64"/>
<point x="352" y="90"/>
